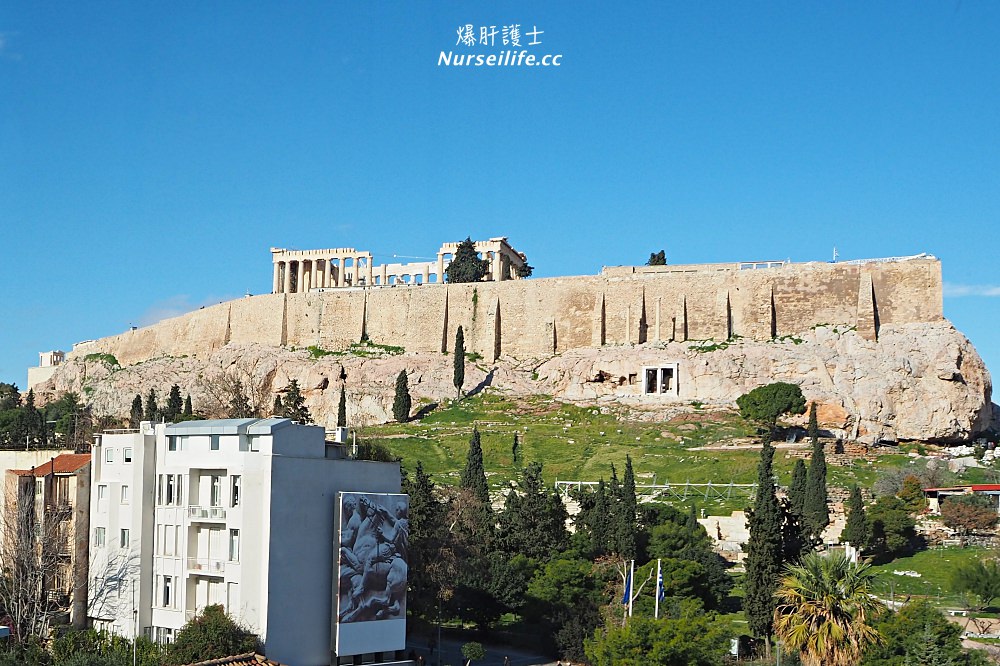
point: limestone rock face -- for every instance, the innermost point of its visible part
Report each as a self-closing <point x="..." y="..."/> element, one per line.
<point x="917" y="382"/>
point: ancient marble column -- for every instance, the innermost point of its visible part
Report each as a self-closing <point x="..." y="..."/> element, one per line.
<point x="287" y="287"/>
<point x="276" y="285"/>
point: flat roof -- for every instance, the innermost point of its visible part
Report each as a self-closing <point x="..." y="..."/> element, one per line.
<point x="227" y="426"/>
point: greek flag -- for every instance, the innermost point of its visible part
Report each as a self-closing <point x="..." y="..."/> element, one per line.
<point x="661" y="592"/>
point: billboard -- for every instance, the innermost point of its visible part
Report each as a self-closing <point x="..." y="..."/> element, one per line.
<point x="373" y="533"/>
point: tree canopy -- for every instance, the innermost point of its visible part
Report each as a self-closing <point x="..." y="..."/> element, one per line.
<point x="211" y="635"/>
<point x="401" y="402"/>
<point x="466" y="266"/>
<point x="765" y="404"/>
<point x="657" y="259"/>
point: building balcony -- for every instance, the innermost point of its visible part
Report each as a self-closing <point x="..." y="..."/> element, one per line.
<point x="206" y="513"/>
<point x="206" y="566"/>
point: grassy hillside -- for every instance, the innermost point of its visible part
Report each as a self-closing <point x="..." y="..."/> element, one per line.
<point x="581" y="444"/>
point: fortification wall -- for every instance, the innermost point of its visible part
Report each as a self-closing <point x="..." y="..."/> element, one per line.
<point x="538" y="317"/>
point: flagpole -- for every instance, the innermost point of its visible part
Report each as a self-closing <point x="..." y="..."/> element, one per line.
<point x="631" y="596"/>
<point x="659" y="586"/>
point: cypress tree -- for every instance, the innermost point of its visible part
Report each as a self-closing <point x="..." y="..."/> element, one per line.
<point x="239" y="404"/>
<point x="466" y="266"/>
<point x="599" y="520"/>
<point x="401" y="403"/>
<point x="152" y="411"/>
<point x="135" y="416"/>
<point x="294" y="404"/>
<point x="188" y="411"/>
<point x="764" y="551"/>
<point x="278" y="407"/>
<point x="175" y="403"/>
<point x="459" y="376"/>
<point x="513" y="449"/>
<point x="816" y="513"/>
<point x="797" y="491"/>
<point x="856" y="530"/>
<point x="474" y="473"/>
<point x="342" y="407"/>
<point x="626" y="510"/>
<point x="813" y="424"/>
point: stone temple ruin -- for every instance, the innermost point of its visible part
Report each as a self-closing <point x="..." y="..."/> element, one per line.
<point x="300" y="271"/>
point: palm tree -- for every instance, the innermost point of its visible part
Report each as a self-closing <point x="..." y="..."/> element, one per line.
<point x="825" y="609"/>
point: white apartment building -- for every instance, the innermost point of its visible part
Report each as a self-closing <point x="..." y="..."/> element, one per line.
<point x="237" y="512"/>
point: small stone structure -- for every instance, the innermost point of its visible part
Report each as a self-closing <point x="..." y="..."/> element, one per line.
<point x="47" y="363"/>
<point x="299" y="271"/>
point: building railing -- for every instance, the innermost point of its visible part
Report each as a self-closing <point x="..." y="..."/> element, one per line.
<point x="206" y="565"/>
<point x="206" y="513"/>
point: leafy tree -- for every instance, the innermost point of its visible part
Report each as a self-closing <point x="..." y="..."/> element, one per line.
<point x="342" y="407"/>
<point x="294" y="405"/>
<point x="524" y="270"/>
<point x="826" y="609"/>
<point x="152" y="411"/>
<point x="136" y="414"/>
<point x="856" y="531"/>
<point x="473" y="651"/>
<point x="10" y="397"/>
<point x="969" y="513"/>
<point x="765" y="404"/>
<point x="211" y="635"/>
<point x="686" y="635"/>
<point x="912" y="494"/>
<point x="466" y="266"/>
<point x="401" y="403"/>
<point x="918" y="634"/>
<point x="564" y="599"/>
<point x="978" y="577"/>
<point x="474" y="473"/>
<point x="764" y="551"/>
<point x="188" y="411"/>
<point x="815" y="509"/>
<point x="797" y="491"/>
<point x="175" y="403"/>
<point x="428" y="540"/>
<point x="459" y="360"/>
<point x="31" y="422"/>
<point x="533" y="521"/>
<point x="657" y="259"/>
<point x="893" y="531"/>
<point x="239" y="403"/>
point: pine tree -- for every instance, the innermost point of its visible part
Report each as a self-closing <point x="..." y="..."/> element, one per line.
<point x="815" y="509"/>
<point x="152" y="411"/>
<point x="175" y="403"/>
<point x="474" y="473"/>
<point x="657" y="259"/>
<point x="401" y="403"/>
<point x="466" y="266"/>
<point x="135" y="416"/>
<point x="459" y="376"/>
<point x="294" y="405"/>
<point x="427" y="536"/>
<point x="342" y="407"/>
<point x="626" y="525"/>
<point x="797" y="491"/>
<point x="278" y="409"/>
<point x="856" y="531"/>
<point x="764" y="551"/>
<point x="188" y="411"/>
<point x="531" y="524"/>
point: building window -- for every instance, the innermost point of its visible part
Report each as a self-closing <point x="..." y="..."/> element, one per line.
<point x="124" y="494"/>
<point x="235" y="495"/>
<point x="172" y="443"/>
<point x="169" y="494"/>
<point x="660" y="380"/>
<point x="254" y="443"/>
<point x="234" y="545"/>
<point x="216" y="499"/>
<point x="124" y="538"/>
<point x="215" y="442"/>
<point x="127" y="455"/>
<point x="109" y="455"/>
<point x="170" y="540"/>
<point x="99" y="537"/>
<point x="168" y="591"/>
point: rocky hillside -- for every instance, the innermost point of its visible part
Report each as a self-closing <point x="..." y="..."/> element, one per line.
<point x="918" y="382"/>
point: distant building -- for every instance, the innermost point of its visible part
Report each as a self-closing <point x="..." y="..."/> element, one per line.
<point x="237" y="512"/>
<point x="47" y="363"/>
<point x="937" y="495"/>
<point x="50" y="506"/>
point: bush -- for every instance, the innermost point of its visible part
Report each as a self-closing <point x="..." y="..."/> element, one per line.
<point x="969" y="513"/>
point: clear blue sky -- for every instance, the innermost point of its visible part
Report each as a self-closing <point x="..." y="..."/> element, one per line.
<point x="152" y="153"/>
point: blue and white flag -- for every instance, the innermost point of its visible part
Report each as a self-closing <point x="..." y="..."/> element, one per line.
<point x="661" y="592"/>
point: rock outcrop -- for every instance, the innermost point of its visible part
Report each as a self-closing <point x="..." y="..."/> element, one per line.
<point x="920" y="381"/>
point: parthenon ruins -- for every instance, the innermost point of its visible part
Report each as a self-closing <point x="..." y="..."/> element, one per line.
<point x="299" y="271"/>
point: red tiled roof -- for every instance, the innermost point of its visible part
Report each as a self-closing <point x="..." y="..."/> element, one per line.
<point x="67" y="463"/>
<point x="248" y="659"/>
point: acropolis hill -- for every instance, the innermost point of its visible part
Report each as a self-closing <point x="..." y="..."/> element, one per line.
<point x="865" y="339"/>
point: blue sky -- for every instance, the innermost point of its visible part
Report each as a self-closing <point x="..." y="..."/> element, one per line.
<point x="152" y="153"/>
